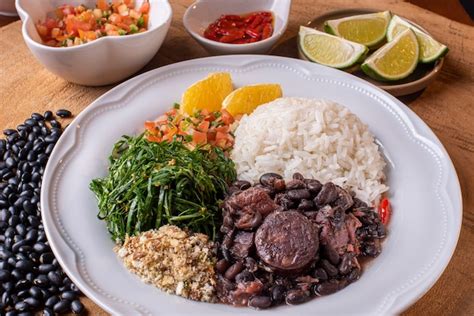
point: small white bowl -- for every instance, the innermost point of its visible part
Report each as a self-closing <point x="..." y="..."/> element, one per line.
<point x="104" y="61"/>
<point x="203" y="12"/>
<point x="7" y="8"/>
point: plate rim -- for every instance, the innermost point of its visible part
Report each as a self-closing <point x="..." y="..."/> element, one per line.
<point x="410" y="119"/>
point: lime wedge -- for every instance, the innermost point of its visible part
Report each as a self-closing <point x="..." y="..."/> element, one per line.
<point x="430" y="49"/>
<point x="395" y="60"/>
<point x="329" y="50"/>
<point x="365" y="29"/>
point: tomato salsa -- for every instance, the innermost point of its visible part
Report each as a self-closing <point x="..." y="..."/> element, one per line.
<point x="72" y="26"/>
<point x="204" y="127"/>
<point x="241" y="29"/>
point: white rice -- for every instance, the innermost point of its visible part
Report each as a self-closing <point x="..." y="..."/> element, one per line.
<point x="320" y="139"/>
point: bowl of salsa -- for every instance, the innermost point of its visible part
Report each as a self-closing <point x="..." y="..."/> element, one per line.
<point x="94" y="42"/>
<point x="237" y="27"/>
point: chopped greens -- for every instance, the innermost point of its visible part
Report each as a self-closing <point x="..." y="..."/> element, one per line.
<point x="152" y="184"/>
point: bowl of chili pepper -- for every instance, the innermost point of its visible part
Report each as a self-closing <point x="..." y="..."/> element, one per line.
<point x="94" y="42"/>
<point x="237" y="27"/>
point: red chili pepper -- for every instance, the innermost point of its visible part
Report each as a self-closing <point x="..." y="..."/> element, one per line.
<point x="236" y="29"/>
<point x="256" y="22"/>
<point x="250" y="19"/>
<point x="385" y="210"/>
<point x="252" y="33"/>
<point x="267" y="31"/>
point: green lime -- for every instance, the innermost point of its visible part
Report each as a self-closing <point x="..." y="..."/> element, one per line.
<point x="430" y="49"/>
<point x="395" y="60"/>
<point x="329" y="50"/>
<point x="365" y="29"/>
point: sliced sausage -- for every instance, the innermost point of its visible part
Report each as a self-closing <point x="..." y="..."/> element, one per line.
<point x="287" y="241"/>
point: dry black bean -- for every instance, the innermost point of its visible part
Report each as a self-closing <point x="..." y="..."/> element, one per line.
<point x="32" y="302"/>
<point x="62" y="307"/>
<point x="68" y="295"/>
<point x="24" y="265"/>
<point x="48" y="312"/>
<point x="51" y="301"/>
<point x="48" y="115"/>
<point x="63" y="113"/>
<point x="54" y="277"/>
<point x="37" y="117"/>
<point x="21" y="306"/>
<point x="4" y="275"/>
<point x="55" y="124"/>
<point x="77" y="307"/>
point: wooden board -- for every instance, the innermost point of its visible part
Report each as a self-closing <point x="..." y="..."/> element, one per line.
<point x="447" y="106"/>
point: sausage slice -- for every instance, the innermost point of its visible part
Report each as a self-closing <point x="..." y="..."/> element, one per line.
<point x="287" y="241"/>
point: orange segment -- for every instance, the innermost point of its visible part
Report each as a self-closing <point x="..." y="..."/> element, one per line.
<point x="246" y="99"/>
<point x="207" y="94"/>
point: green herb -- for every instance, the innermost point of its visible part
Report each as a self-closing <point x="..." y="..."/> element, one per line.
<point x="152" y="184"/>
<point x="133" y="28"/>
<point x="176" y="106"/>
<point x="141" y="21"/>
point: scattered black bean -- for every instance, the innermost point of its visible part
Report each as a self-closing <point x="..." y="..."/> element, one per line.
<point x="61" y="307"/>
<point x="63" y="113"/>
<point x="29" y="274"/>
<point x="77" y="307"/>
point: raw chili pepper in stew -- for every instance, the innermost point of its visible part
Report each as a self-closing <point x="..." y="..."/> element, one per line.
<point x="385" y="211"/>
<point x="241" y="29"/>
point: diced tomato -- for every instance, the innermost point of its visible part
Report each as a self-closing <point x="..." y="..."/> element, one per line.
<point x="223" y="129"/>
<point x="199" y="137"/>
<point x="385" y="211"/>
<point x="204" y="126"/>
<point x="102" y="4"/>
<point x="150" y="126"/>
<point x="145" y="8"/>
<point x="153" y="138"/>
<point x="51" y="23"/>
<point x="211" y="136"/>
<point x="42" y="30"/>
<point x="226" y="117"/>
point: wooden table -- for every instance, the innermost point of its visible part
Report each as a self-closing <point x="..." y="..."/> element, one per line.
<point x="447" y="106"/>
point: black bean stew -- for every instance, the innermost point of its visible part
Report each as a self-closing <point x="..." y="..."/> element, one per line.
<point x="286" y="242"/>
<point x="31" y="278"/>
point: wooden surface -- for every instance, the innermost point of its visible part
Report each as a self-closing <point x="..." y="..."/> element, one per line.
<point x="447" y="106"/>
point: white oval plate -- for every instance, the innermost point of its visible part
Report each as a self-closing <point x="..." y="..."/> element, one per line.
<point x="425" y="191"/>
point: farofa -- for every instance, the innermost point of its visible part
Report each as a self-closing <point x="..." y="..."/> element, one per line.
<point x="173" y="260"/>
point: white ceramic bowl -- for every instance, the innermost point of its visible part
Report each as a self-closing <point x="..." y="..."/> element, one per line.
<point x="7" y="8"/>
<point x="104" y="61"/>
<point x="203" y="12"/>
